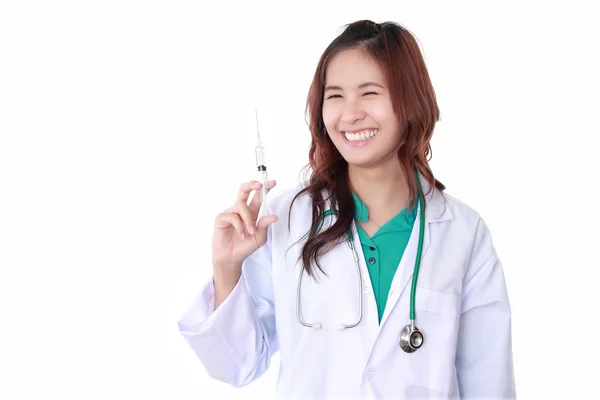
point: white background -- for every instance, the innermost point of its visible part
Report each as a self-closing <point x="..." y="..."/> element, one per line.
<point x="126" y="126"/>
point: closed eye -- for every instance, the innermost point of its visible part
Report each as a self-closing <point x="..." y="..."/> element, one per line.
<point x="334" y="96"/>
<point x="370" y="93"/>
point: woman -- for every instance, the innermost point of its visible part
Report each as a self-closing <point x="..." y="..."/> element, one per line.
<point x="289" y="281"/>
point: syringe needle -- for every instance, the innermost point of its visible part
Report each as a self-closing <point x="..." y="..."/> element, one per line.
<point x="257" y="130"/>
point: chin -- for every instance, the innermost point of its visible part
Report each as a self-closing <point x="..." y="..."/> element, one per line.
<point x="363" y="162"/>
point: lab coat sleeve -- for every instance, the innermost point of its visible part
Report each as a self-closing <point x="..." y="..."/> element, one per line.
<point x="484" y="352"/>
<point x="236" y="341"/>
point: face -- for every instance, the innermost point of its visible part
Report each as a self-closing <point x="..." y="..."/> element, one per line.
<point x="358" y="112"/>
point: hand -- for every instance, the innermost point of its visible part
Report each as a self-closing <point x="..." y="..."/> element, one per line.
<point x="236" y="234"/>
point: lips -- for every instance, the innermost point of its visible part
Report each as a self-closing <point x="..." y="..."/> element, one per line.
<point x="358" y="130"/>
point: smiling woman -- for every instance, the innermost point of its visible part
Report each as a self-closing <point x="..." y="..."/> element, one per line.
<point x="323" y="276"/>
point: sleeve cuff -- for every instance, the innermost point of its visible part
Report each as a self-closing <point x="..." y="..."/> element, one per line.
<point x="201" y="314"/>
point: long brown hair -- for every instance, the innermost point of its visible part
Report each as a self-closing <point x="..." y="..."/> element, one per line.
<point x="413" y="98"/>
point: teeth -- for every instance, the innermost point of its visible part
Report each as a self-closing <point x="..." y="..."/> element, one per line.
<point x="360" y="135"/>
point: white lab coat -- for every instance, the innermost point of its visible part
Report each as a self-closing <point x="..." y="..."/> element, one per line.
<point x="462" y="308"/>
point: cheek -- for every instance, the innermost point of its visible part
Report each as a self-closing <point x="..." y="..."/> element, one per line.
<point x="385" y="116"/>
<point x="392" y="125"/>
<point x="329" y="117"/>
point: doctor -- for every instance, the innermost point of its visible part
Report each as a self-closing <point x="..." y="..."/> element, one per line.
<point x="369" y="280"/>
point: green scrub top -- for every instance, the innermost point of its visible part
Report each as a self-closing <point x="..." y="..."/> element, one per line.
<point x="384" y="250"/>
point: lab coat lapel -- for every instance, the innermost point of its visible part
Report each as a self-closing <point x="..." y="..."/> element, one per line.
<point x="436" y="211"/>
<point x="404" y="273"/>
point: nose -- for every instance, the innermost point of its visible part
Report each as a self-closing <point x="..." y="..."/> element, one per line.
<point x="351" y="113"/>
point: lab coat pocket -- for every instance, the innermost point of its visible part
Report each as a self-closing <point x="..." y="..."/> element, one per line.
<point x="432" y="366"/>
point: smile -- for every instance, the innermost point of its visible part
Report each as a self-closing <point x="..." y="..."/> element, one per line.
<point x="360" y="136"/>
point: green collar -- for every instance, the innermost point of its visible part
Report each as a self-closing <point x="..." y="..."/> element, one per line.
<point x="404" y="220"/>
<point x="361" y="212"/>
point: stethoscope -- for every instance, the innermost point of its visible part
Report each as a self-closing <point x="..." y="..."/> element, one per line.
<point x="411" y="338"/>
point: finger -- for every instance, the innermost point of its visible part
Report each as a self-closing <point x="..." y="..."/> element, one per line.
<point x="245" y="190"/>
<point x="226" y="220"/>
<point x="256" y="201"/>
<point x="249" y="222"/>
<point x="262" y="227"/>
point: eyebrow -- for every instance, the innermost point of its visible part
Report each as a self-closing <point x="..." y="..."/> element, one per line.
<point x="333" y="87"/>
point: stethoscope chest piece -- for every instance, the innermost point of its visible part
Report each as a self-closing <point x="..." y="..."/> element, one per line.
<point x="411" y="338"/>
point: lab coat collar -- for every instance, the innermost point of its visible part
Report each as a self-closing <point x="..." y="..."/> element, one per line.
<point x="436" y="208"/>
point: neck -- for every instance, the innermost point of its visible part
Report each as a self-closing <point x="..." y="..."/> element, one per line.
<point x="383" y="189"/>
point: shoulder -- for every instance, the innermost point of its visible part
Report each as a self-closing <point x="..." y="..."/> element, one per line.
<point x="461" y="211"/>
<point x="469" y="223"/>
<point x="293" y="209"/>
<point x="279" y="203"/>
<point x="459" y="219"/>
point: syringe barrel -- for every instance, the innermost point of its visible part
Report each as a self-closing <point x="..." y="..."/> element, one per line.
<point x="260" y="156"/>
<point x="263" y="193"/>
<point x="264" y="189"/>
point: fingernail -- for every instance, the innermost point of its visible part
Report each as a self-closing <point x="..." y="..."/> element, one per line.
<point x="251" y="229"/>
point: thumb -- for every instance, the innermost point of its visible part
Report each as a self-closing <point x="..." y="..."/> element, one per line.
<point x="262" y="227"/>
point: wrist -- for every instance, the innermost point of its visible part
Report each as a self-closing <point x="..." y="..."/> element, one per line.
<point x="226" y="278"/>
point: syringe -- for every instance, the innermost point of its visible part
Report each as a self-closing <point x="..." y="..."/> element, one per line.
<point x="261" y="164"/>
